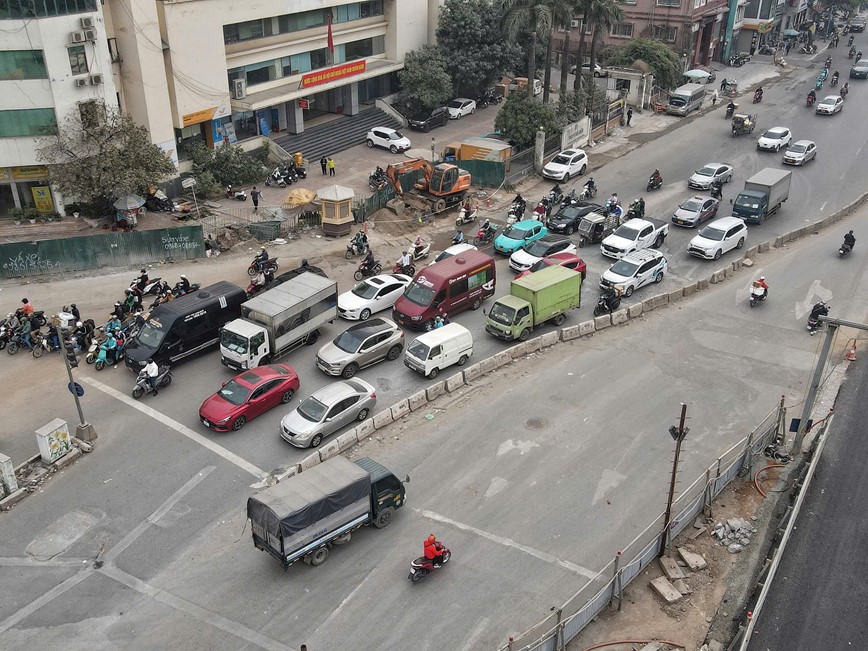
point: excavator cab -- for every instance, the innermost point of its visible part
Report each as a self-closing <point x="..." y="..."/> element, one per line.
<point x="443" y="179"/>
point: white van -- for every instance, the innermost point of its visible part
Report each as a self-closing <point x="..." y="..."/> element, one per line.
<point x="433" y="351"/>
<point x="686" y="98"/>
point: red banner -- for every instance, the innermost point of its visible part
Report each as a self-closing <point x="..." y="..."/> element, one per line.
<point x="330" y="74"/>
<point x="331" y="40"/>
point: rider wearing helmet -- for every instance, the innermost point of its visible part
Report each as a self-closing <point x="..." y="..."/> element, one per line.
<point x="184" y="284"/>
<point x="762" y="283"/>
<point x="433" y="550"/>
<point x="261" y="258"/>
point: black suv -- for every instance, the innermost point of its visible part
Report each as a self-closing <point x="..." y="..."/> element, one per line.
<point x="567" y="218"/>
<point x="427" y="120"/>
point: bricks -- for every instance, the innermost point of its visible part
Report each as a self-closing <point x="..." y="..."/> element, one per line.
<point x="549" y="339"/>
<point x="570" y="332"/>
<point x="417" y="400"/>
<point x="587" y="328"/>
<point x="702" y="284"/>
<point x="365" y="429"/>
<point x="400" y="409"/>
<point x="347" y="440"/>
<point x="331" y="449"/>
<point x="455" y="382"/>
<point x="519" y="350"/>
<point x="718" y="276"/>
<point x="762" y="247"/>
<point x="602" y="321"/>
<point x="690" y="289"/>
<point x="471" y="373"/>
<point x="676" y="296"/>
<point x="383" y="418"/>
<point x="502" y="358"/>
<point x="435" y="390"/>
<point x="635" y="310"/>
<point x="308" y="462"/>
<point x="619" y="316"/>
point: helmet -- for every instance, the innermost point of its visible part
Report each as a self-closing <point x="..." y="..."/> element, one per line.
<point x="262" y="248"/>
<point x="851" y="232"/>
<point x="183" y="276"/>
<point x="78" y="324"/>
<point x="144" y="271"/>
<point x="150" y="360"/>
<point x="304" y="262"/>
<point x="25" y="301"/>
<point x="762" y="277"/>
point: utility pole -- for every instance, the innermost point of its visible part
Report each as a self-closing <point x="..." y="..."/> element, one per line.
<point x="84" y="431"/>
<point x="678" y="434"/>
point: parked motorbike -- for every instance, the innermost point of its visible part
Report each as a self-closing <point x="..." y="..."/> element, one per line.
<point x="409" y="270"/>
<point x="377" y="179"/>
<point x="609" y="301"/>
<point x="465" y="216"/>
<point x="239" y="195"/>
<point x="365" y="272"/>
<point x="270" y="266"/>
<point x="758" y="293"/>
<point x="654" y="184"/>
<point x="278" y="177"/>
<point x="354" y="249"/>
<point x="484" y="235"/>
<point x="141" y="387"/>
<point x="422" y="567"/>
<point x="844" y="250"/>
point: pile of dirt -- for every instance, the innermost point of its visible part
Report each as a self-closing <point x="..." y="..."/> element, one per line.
<point x="388" y="223"/>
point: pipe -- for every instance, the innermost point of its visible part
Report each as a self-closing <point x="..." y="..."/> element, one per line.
<point x="756" y="476"/>
<point x="605" y="644"/>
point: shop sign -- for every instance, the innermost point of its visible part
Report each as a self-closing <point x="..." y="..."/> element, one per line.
<point x="331" y="74"/>
<point x="199" y="116"/>
<point x="42" y="199"/>
<point x="30" y="172"/>
<point x="5" y="175"/>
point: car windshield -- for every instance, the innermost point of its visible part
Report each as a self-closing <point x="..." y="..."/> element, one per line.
<point x="773" y="135"/>
<point x="624" y="268"/>
<point x="707" y="171"/>
<point x="348" y="341"/>
<point x="540" y="264"/>
<point x="418" y="350"/>
<point x="234" y="393"/>
<point x="560" y="159"/>
<point x="746" y="201"/>
<point x="797" y="149"/>
<point x="150" y="335"/>
<point x="365" y="290"/>
<point x="502" y="314"/>
<point x="419" y="294"/>
<point x="627" y="232"/>
<point x="455" y="104"/>
<point x="677" y="101"/>
<point x="691" y="206"/>
<point x="538" y="249"/>
<point x="395" y="135"/>
<point x="312" y="410"/>
<point x="233" y="342"/>
<point x="712" y="233"/>
<point x="828" y="102"/>
<point x="515" y="233"/>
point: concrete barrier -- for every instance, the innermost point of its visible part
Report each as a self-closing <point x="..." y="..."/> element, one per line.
<point x="690" y="289"/>
<point x="587" y="328"/>
<point x="702" y="284"/>
<point x="308" y="462"/>
<point x="400" y="409"/>
<point x="736" y="264"/>
<point x="570" y="332"/>
<point x="417" y="400"/>
<point x="487" y="365"/>
<point x="654" y="302"/>
<point x="519" y="350"/>
<point x="762" y="247"/>
<point x="471" y="373"/>
<point x="549" y="339"/>
<point x="728" y="272"/>
<point x="435" y="390"/>
<point x="383" y="418"/>
<point x="619" y="316"/>
<point x="718" y="276"/>
<point x="751" y="252"/>
<point x="502" y="358"/>
<point x="455" y="382"/>
<point x="347" y="440"/>
<point x="329" y="450"/>
<point x="533" y="345"/>
<point x="365" y="429"/>
<point x="635" y="310"/>
<point x="602" y="321"/>
<point x="675" y="296"/>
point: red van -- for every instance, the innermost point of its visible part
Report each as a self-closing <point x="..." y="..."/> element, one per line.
<point x="452" y="285"/>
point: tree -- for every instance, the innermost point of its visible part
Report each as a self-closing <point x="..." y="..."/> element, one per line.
<point x="602" y="14"/>
<point x="99" y="154"/>
<point x="228" y="164"/>
<point x="521" y="116"/>
<point x="663" y="62"/>
<point x="476" y="54"/>
<point x="425" y="82"/>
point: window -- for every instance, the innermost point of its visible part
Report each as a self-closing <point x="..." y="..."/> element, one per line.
<point x="12" y="9"/>
<point x="77" y="59"/>
<point x="27" y="122"/>
<point x="622" y="30"/>
<point x="668" y="3"/>
<point x="288" y="23"/>
<point x="665" y="33"/>
<point x="22" y="64"/>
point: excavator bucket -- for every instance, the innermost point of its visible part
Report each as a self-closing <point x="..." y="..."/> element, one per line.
<point x="396" y="205"/>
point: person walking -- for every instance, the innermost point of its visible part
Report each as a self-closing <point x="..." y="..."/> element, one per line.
<point x="789" y="45"/>
<point x="723" y="84"/>
<point x="629" y="116"/>
<point x="255" y="194"/>
<point x="331" y="166"/>
<point x="714" y="98"/>
<point x="323" y="163"/>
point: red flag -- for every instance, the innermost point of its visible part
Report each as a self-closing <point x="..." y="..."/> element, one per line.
<point x="331" y="39"/>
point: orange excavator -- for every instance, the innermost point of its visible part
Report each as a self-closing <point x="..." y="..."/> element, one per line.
<point x="441" y="185"/>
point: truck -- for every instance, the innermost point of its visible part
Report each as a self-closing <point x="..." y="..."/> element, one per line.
<point x="762" y="196"/>
<point x="478" y="148"/>
<point x="279" y="320"/>
<point x="304" y="515"/>
<point x="544" y="295"/>
<point x="634" y="235"/>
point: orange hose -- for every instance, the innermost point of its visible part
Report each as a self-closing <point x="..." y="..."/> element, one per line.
<point x="756" y="476"/>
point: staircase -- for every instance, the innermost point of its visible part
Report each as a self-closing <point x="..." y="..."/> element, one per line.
<point x="335" y="135"/>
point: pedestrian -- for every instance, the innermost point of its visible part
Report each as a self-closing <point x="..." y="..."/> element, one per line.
<point x="331" y="166"/>
<point x="789" y="45"/>
<point x="255" y="194"/>
<point x="723" y="84"/>
<point x="714" y="98"/>
<point x="629" y="116"/>
<point x="323" y="163"/>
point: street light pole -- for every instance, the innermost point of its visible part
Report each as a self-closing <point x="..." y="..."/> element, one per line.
<point x="84" y="431"/>
<point x="678" y="434"/>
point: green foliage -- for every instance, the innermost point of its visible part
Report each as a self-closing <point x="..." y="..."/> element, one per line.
<point x="103" y="156"/>
<point x="473" y="47"/>
<point x="226" y="164"/>
<point x="570" y="107"/>
<point x="207" y="186"/>
<point x="425" y="81"/>
<point x="521" y="116"/>
<point x="663" y="62"/>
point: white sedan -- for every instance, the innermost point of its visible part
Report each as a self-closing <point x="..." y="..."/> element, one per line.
<point x="708" y="174"/>
<point x="461" y="106"/>
<point x="372" y="295"/>
<point x="568" y="163"/>
<point x="830" y="105"/>
<point x="775" y="139"/>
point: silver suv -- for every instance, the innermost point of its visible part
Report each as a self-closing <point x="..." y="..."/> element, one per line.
<point x="359" y="346"/>
<point x="635" y="270"/>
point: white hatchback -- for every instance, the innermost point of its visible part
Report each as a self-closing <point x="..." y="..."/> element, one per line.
<point x="718" y="237"/>
<point x="775" y="139"/>
<point x="372" y="295"/>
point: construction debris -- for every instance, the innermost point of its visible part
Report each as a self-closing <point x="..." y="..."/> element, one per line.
<point x="734" y="534"/>
<point x="694" y="561"/>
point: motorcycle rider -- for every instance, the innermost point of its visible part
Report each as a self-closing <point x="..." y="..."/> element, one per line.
<point x="458" y="238"/>
<point x="184" y="284"/>
<point x="850" y="40"/>
<point x="762" y="283"/>
<point x="639" y="207"/>
<point x="656" y="178"/>
<point x="845" y="89"/>
<point x="73" y="310"/>
<point x="819" y="309"/>
<point x="121" y="309"/>
<point x="142" y="281"/>
<point x="519" y="204"/>
<point x="730" y="108"/>
<point x="26" y="328"/>
<point x="717" y="189"/>
<point x="486" y="228"/>
<point x="405" y="261"/>
<point x="27" y="308"/>
<point x="590" y="186"/>
<point x="613" y="202"/>
<point x="812" y="96"/>
<point x="368" y="263"/>
<point x="261" y="258"/>
<point x="152" y="371"/>
<point x="758" y="93"/>
<point x="360" y="241"/>
<point x="850" y="240"/>
<point x="433" y="550"/>
<point x="858" y="56"/>
<point x="835" y="77"/>
<point x="111" y="345"/>
<point x="419" y="245"/>
<point x="113" y="324"/>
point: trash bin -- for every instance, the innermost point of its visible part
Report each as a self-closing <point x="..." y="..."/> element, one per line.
<point x="299" y="159"/>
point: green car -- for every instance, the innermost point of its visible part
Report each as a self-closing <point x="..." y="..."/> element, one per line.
<point x="518" y="235"/>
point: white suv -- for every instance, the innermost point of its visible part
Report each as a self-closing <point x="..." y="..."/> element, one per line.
<point x="635" y="270"/>
<point x="718" y="237"/>
<point x="387" y="138"/>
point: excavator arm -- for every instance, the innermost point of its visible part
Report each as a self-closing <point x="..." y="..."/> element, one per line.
<point x="395" y="171"/>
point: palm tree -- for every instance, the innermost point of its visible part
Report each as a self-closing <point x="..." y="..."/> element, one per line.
<point x="598" y="15"/>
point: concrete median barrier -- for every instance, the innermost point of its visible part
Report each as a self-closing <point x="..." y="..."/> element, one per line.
<point x="471" y="373"/>
<point x="751" y="252"/>
<point x="365" y="429"/>
<point x="533" y="345"/>
<point x="329" y="450"/>
<point x="519" y="350"/>
<point x="675" y="296"/>
<point x="602" y="321"/>
<point x="455" y="382"/>
<point x="502" y="358"/>
<point x="383" y="418"/>
<point x="587" y="327"/>
<point x="347" y="440"/>
<point x="417" y="400"/>
<point x="762" y="247"/>
<point x="308" y="462"/>
<point x="635" y="311"/>
<point x="549" y="339"/>
<point x="690" y="289"/>
<point x="620" y="316"/>
<point x="702" y="284"/>
<point x="570" y="332"/>
<point x="400" y="409"/>
<point x="654" y="302"/>
<point x="435" y="390"/>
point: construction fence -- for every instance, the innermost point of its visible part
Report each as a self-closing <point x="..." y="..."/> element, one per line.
<point x="557" y="629"/>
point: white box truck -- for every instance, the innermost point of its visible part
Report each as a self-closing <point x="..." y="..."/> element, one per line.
<point x="279" y="320"/>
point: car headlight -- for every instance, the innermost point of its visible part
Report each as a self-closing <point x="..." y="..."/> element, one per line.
<point x="222" y="421"/>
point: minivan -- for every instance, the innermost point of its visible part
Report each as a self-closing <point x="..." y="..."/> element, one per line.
<point x="456" y="284"/>
<point x="686" y="98"/>
<point x="185" y="326"/>
<point x="433" y="351"/>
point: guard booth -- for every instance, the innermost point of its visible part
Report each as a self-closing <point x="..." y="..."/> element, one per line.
<point x="337" y="209"/>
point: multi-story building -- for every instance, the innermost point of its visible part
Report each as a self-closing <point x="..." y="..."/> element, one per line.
<point x="761" y="18"/>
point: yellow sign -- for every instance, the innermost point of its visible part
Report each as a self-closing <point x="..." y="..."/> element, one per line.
<point x="30" y="172"/>
<point x="42" y="199"/>
<point x="5" y="174"/>
<point x="199" y="116"/>
<point x="764" y="28"/>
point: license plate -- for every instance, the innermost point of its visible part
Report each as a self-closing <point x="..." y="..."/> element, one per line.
<point x="206" y="423"/>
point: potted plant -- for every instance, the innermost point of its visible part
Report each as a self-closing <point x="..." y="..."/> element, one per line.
<point x="17" y="215"/>
<point x="32" y="214"/>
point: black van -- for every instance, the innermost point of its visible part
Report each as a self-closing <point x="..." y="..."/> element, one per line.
<point x="185" y="326"/>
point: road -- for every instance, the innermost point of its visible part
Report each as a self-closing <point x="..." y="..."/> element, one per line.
<point x="493" y="473"/>
<point x="818" y="597"/>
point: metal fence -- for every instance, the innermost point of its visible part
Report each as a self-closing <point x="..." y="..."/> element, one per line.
<point x="557" y="629"/>
<point x="269" y="222"/>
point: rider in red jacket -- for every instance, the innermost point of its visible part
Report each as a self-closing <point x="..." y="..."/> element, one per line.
<point x="433" y="550"/>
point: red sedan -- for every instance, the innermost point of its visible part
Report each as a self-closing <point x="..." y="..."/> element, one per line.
<point x="248" y="395"/>
<point x="568" y="260"/>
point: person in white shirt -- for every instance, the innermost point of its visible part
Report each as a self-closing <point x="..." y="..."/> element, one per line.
<point x="152" y="371"/>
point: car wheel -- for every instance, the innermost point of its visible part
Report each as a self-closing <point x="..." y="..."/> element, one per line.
<point x="138" y="392"/>
<point x="740" y="243"/>
<point x="349" y="371"/>
<point x="596" y="74"/>
<point x="629" y="291"/>
<point x="384" y="517"/>
<point x="315" y="441"/>
<point x="433" y="373"/>
<point x="370" y="143"/>
<point x="570" y="230"/>
<point x="426" y="128"/>
<point x="472" y="111"/>
<point x="287" y="396"/>
<point x="462" y="360"/>
<point x="559" y="320"/>
<point x="393" y="149"/>
<point x="728" y="178"/>
<point x="583" y="170"/>
<point x="363" y="414"/>
<point x="718" y="253"/>
<point x="394" y="352"/>
<point x="365" y="314"/>
<point x="566" y="177"/>
<point x="524" y="334"/>
<point x="659" y="277"/>
<point x="458" y="117"/>
<point x="318" y="557"/>
<point x="238" y="423"/>
<point x="476" y="304"/>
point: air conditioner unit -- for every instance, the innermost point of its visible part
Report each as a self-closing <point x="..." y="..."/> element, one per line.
<point x="574" y="24"/>
<point x="77" y="37"/>
<point x="80" y="81"/>
<point x="90" y="34"/>
<point x="96" y="79"/>
<point x="87" y="22"/>
<point x="239" y="88"/>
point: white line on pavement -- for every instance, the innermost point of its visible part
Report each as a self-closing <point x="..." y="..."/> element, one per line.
<point x="472" y="639"/>
<point x="543" y="556"/>
<point x="231" y="457"/>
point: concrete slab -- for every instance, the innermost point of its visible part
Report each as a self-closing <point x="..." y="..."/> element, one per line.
<point x="533" y="345"/>
<point x="762" y="247"/>
<point x="620" y="316"/>
<point x="417" y="400"/>
<point x="747" y="262"/>
<point x="329" y="450"/>
<point x="347" y="440"/>
<point x="519" y="350"/>
<point x="694" y="561"/>
<point x="502" y="358"/>
<point x="549" y="339"/>
<point x="435" y="390"/>
<point x="689" y="290"/>
<point x="570" y="332"/>
<point x="670" y="568"/>
<point x="602" y="321"/>
<point x="455" y="382"/>
<point x="587" y="328"/>
<point x="676" y="295"/>
<point x="400" y="409"/>
<point x="718" y="276"/>
<point x="472" y="372"/>
<point x="487" y="365"/>
<point x="702" y="284"/>
<point x="666" y="590"/>
<point x="681" y="586"/>
<point x="383" y="418"/>
<point x="365" y="429"/>
<point x="635" y="310"/>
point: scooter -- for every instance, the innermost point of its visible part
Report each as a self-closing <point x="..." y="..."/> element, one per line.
<point x="654" y="184"/>
<point x="422" y="567"/>
<point x="570" y="199"/>
<point x="588" y="192"/>
<point x="239" y="195"/>
<point x="178" y="290"/>
<point x="279" y="178"/>
<point x="421" y="251"/>
<point x="555" y="195"/>
<point x="270" y="267"/>
<point x="608" y="302"/>
<point x="163" y="379"/>
<point x="409" y="270"/>
<point x="730" y="110"/>
<point x="844" y="250"/>
<point x="833" y="81"/>
<point x="484" y="235"/>
<point x="43" y="342"/>
<point x="353" y="249"/>
<point x="364" y="272"/>
<point x="95" y="342"/>
<point x="106" y="356"/>
<point x="152" y="287"/>
<point x="757" y="97"/>
<point x="465" y="217"/>
<point x="758" y="293"/>
<point x="809" y="101"/>
<point x="377" y="179"/>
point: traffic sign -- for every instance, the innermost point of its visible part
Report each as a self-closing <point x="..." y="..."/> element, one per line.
<point x="78" y="390"/>
<point x="188" y="183"/>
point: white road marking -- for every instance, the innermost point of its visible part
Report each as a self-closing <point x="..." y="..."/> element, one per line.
<point x="506" y="542"/>
<point x="823" y="207"/>
<point x="330" y="618"/>
<point x="803" y="308"/>
<point x="48" y="597"/>
<point x="478" y="630"/>
<point x="22" y="561"/>
<point x="608" y="480"/>
<point x="219" y="450"/>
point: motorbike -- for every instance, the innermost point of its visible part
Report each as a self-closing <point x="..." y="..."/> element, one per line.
<point x="608" y="302"/>
<point x="270" y="266"/>
<point x="106" y="356"/>
<point x="730" y="111"/>
<point x="151" y="287"/>
<point x="163" y="379"/>
<point x="588" y="192"/>
<point x="465" y="216"/>
<point x="16" y="340"/>
<point x="95" y="342"/>
<point x="377" y="179"/>
<point x="757" y="97"/>
<point x="809" y="100"/>
<point x="178" y="290"/>
<point x="278" y="177"/>
<point x="420" y="252"/>
<point x="570" y="199"/>
<point x="365" y="272"/>
<point x="808" y="49"/>
<point x="654" y="184"/>
<point x="409" y="270"/>
<point x="5" y="335"/>
<point x="758" y="293"/>
<point x="635" y="211"/>
<point x="239" y="195"/>
<point x="845" y="250"/>
<point x="555" y="195"/>
<point x="488" y="98"/>
<point x="516" y="212"/>
<point x="422" y="567"/>
<point x="844" y="90"/>
<point x="484" y="235"/>
<point x="833" y="81"/>
<point x="39" y="316"/>
<point x="354" y="249"/>
<point x="43" y="342"/>
<point x="851" y="53"/>
<point x="814" y="323"/>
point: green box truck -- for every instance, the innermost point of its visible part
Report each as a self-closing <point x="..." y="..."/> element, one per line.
<point x="544" y="295"/>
